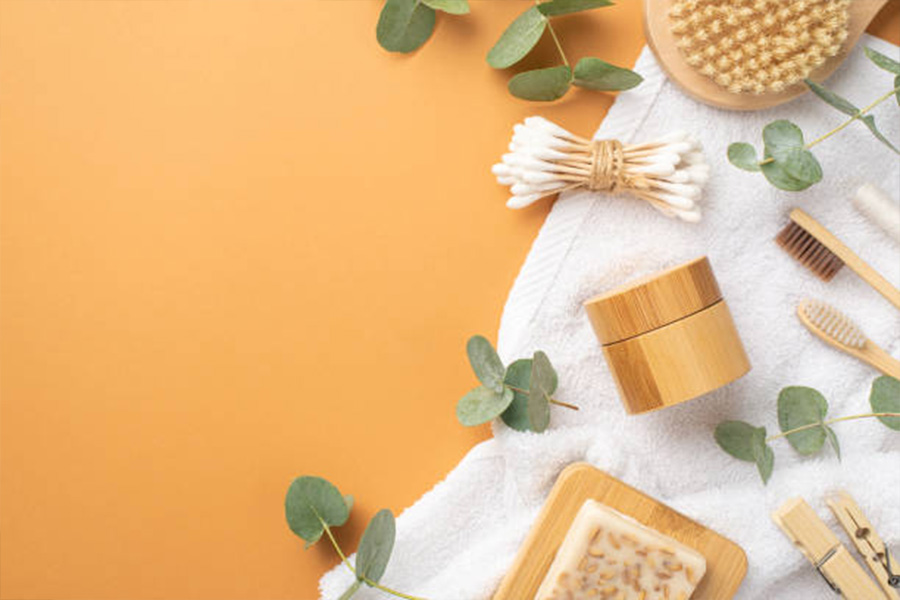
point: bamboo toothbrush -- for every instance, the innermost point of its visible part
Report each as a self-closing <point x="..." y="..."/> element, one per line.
<point x="753" y="54"/>
<point x="819" y="250"/>
<point x="835" y="329"/>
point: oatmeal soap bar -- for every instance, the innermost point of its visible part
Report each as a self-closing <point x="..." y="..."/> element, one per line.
<point x="608" y="556"/>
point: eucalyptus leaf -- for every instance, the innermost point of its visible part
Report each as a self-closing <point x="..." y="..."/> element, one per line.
<point x="453" y="7"/>
<point x="375" y="547"/>
<point x="481" y="405"/>
<point x="596" y="74"/>
<point x="885" y="398"/>
<point x="800" y="164"/>
<point x="348" y="500"/>
<point x="869" y="121"/>
<point x="310" y="504"/>
<point x="404" y="25"/>
<point x="543" y="384"/>
<point x="765" y="461"/>
<point x="832" y="98"/>
<point x="541" y="85"/>
<point x="831" y="436"/>
<point x="485" y="362"/>
<point x="518" y="39"/>
<point x="776" y="174"/>
<point x="800" y="406"/>
<point x="741" y="440"/>
<point x="554" y="8"/>
<point x="781" y="136"/>
<point x="518" y="375"/>
<point x="351" y="590"/>
<point x="885" y="62"/>
<point x="743" y="156"/>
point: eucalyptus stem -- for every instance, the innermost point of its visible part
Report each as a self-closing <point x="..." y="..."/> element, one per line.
<point x="829" y="422"/>
<point x="555" y="39"/>
<point x="362" y="579"/>
<point x="552" y="400"/>
<point x="855" y="117"/>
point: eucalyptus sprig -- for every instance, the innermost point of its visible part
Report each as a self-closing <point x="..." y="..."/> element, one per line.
<point x="787" y="162"/>
<point x="552" y="83"/>
<point x="404" y="25"/>
<point x="520" y="394"/>
<point x="801" y="418"/>
<point x="314" y="505"/>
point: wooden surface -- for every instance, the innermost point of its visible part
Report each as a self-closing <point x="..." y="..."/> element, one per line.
<point x="864" y="536"/>
<point x="678" y="362"/>
<point x="238" y="243"/>
<point x="653" y="301"/>
<point x="726" y="563"/>
<point x="818" y="543"/>
<point x="663" y="42"/>
<point x="870" y="353"/>
<point x="850" y="258"/>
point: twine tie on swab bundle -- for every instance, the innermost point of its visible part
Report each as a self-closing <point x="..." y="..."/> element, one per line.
<point x="545" y="159"/>
<point x="607" y="174"/>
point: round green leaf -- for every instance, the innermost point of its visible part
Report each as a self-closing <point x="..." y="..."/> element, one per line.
<point x="543" y="384"/>
<point x="518" y="39"/>
<point x="800" y="406"/>
<point x="596" y="74"/>
<point x="833" y="441"/>
<point x="518" y="375"/>
<point x="454" y="7"/>
<point x="743" y="156"/>
<point x="885" y="398"/>
<point x="481" y="405"/>
<point x="485" y="362"/>
<point x="800" y="164"/>
<point x="542" y="85"/>
<point x="885" y="62"/>
<point x="404" y="25"/>
<point x="555" y="8"/>
<point x="741" y="440"/>
<point x="780" y="136"/>
<point x="777" y="176"/>
<point x="312" y="503"/>
<point x="376" y="546"/>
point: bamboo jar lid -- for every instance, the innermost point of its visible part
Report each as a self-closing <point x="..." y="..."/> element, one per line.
<point x="653" y="301"/>
<point x="668" y="337"/>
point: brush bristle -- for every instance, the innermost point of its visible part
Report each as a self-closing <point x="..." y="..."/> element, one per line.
<point x="833" y="323"/>
<point x="758" y="46"/>
<point x="809" y="251"/>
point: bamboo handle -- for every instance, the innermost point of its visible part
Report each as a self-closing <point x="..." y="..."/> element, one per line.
<point x="881" y="360"/>
<point x="850" y="258"/>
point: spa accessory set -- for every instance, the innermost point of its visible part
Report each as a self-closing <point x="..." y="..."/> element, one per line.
<point x="654" y="348"/>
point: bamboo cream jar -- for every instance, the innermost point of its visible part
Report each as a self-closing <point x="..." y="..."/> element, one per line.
<point x="668" y="337"/>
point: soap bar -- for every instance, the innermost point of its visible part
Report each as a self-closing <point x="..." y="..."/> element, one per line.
<point x="609" y="556"/>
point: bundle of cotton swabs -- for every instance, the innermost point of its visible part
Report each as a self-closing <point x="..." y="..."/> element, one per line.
<point x="545" y="159"/>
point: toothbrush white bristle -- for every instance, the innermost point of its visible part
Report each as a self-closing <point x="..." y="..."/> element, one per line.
<point x="832" y="323"/>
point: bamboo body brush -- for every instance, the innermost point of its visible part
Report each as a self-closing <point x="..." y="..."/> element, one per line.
<point x="753" y="54"/>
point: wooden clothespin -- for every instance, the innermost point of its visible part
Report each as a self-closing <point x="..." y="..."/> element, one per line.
<point x="868" y="543"/>
<point x="823" y="549"/>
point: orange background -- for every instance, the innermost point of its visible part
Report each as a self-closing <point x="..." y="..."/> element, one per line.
<point x="241" y="243"/>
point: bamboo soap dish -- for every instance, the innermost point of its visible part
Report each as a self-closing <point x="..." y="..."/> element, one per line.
<point x="726" y="563"/>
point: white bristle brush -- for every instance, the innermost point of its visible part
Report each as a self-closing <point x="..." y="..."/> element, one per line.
<point x="837" y="330"/>
<point x="545" y="159"/>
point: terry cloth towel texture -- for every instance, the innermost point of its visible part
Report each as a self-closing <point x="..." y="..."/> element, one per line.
<point x="459" y="539"/>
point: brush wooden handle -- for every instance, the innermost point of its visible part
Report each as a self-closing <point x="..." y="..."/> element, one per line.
<point x="850" y="258"/>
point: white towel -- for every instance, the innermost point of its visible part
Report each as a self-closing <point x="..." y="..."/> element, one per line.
<point x="458" y="540"/>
